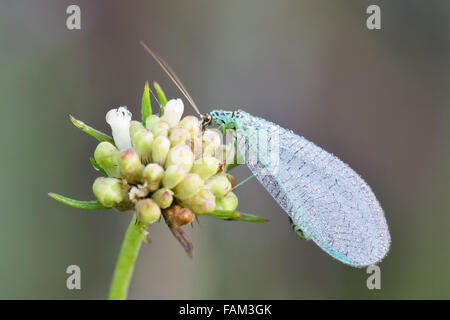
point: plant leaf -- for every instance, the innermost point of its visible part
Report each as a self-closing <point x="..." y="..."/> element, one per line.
<point x="146" y="106"/>
<point x="235" y="216"/>
<point x="161" y="96"/>
<point x="100" y="136"/>
<point x="97" y="166"/>
<point x="88" y="205"/>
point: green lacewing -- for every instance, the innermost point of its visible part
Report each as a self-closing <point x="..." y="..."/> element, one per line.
<point x="326" y="200"/>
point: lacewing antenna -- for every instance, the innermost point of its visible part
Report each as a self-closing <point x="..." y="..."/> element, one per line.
<point x="168" y="70"/>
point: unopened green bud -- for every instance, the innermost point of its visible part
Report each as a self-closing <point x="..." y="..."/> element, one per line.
<point x="177" y="216"/>
<point x="163" y="197"/>
<point x="135" y="126"/>
<point x="109" y="191"/>
<point x="106" y="155"/>
<point x="192" y="124"/>
<point x="160" y="128"/>
<point x="178" y="135"/>
<point x="142" y="144"/>
<point x="189" y="186"/>
<point x="227" y="203"/>
<point x="219" y="185"/>
<point x="173" y="176"/>
<point x="160" y="149"/>
<point x="206" y="167"/>
<point x="180" y="155"/>
<point x="130" y="166"/>
<point x="151" y="121"/>
<point x="211" y="142"/>
<point x="152" y="174"/>
<point x="204" y="201"/>
<point x="148" y="211"/>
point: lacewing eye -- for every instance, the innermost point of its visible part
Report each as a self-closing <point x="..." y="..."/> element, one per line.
<point x="207" y="118"/>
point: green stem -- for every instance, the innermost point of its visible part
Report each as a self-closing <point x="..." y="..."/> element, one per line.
<point x="125" y="265"/>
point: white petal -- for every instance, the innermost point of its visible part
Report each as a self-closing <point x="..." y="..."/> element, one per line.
<point x="119" y="120"/>
<point x="173" y="111"/>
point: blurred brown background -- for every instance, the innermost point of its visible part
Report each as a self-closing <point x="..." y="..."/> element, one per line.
<point x="377" y="99"/>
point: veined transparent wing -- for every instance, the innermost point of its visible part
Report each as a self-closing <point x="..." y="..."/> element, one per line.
<point x="328" y="200"/>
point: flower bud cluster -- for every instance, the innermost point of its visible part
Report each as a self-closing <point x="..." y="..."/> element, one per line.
<point x="168" y="166"/>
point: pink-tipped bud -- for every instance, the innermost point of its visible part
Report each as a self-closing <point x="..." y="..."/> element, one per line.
<point x="163" y="197"/>
<point x="160" y="128"/>
<point x="227" y="203"/>
<point x="178" y="135"/>
<point x="130" y="166"/>
<point x="142" y="144"/>
<point x="205" y="167"/>
<point x="106" y="155"/>
<point x="219" y="185"/>
<point x="180" y="155"/>
<point x="109" y="191"/>
<point x="147" y="211"/>
<point x="192" y="124"/>
<point x="151" y="121"/>
<point x="173" y="176"/>
<point x="160" y="149"/>
<point x="204" y="201"/>
<point x="153" y="174"/>
<point x="135" y="126"/>
<point x="189" y="186"/>
<point x="211" y="142"/>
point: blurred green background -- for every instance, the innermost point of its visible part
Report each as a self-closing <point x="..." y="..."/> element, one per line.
<point x="377" y="99"/>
